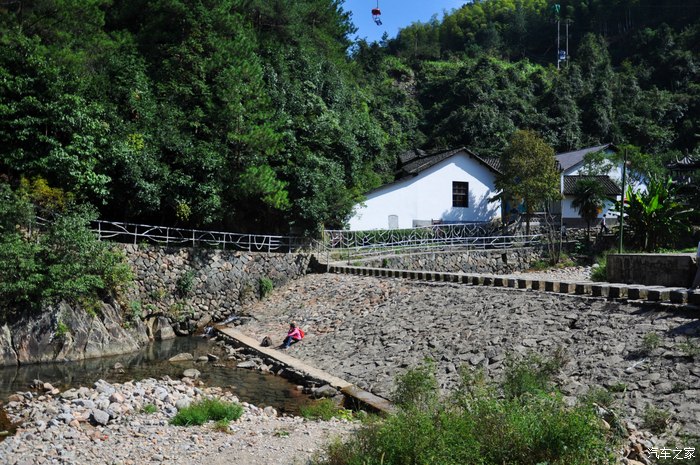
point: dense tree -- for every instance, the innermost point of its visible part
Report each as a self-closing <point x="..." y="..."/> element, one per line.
<point x="530" y="172"/>
<point x="589" y="199"/>
<point x="263" y="115"/>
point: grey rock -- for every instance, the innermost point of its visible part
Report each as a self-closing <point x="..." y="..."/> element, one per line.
<point x="99" y="417"/>
<point x="65" y="418"/>
<point x="325" y="391"/>
<point x="160" y="328"/>
<point x="191" y="373"/>
<point x="86" y="403"/>
<point x="183" y="357"/>
<point x="183" y="403"/>
<point x="246" y="364"/>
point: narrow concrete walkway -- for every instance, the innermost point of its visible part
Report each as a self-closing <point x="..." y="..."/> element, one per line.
<point x="610" y="291"/>
<point x="313" y="374"/>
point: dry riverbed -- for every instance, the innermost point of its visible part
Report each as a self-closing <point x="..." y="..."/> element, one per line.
<point x="107" y="425"/>
<point x="369" y="329"/>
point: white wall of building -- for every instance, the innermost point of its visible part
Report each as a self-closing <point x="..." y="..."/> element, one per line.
<point x="568" y="211"/>
<point x="428" y="196"/>
<point x="571" y="212"/>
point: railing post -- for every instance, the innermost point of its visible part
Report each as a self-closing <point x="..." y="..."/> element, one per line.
<point x="193" y="238"/>
<point x="136" y="233"/>
<point x="167" y="236"/>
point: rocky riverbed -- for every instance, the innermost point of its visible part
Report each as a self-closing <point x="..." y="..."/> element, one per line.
<point x="107" y="424"/>
<point x="369" y="329"/>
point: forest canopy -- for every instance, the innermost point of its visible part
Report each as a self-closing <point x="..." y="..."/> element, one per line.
<point x="270" y="116"/>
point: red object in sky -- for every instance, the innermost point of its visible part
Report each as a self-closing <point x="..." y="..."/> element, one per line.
<point x="376" y="13"/>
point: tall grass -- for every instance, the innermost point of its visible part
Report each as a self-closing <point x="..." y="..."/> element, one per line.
<point x="207" y="410"/>
<point x="482" y="424"/>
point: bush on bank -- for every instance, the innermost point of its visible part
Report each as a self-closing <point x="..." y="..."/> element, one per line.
<point x="58" y="260"/>
<point x="479" y="425"/>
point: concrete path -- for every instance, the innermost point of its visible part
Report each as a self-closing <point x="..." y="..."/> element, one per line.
<point x="309" y="372"/>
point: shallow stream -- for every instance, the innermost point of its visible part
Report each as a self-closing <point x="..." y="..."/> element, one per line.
<point x="152" y="362"/>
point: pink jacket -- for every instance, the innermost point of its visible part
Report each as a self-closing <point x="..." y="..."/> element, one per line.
<point x="295" y="334"/>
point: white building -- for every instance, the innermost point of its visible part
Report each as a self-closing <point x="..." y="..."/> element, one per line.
<point x="451" y="186"/>
<point x="455" y="186"/>
<point x="573" y="168"/>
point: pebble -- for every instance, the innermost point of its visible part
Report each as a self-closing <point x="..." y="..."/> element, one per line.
<point x="130" y="436"/>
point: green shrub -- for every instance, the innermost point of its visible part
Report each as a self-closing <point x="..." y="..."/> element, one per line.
<point x="600" y="273"/>
<point x="179" y="311"/>
<point x="689" y="348"/>
<point x="531" y="374"/>
<point x="157" y="294"/>
<point x="650" y="341"/>
<point x="618" y="387"/>
<point x="222" y="426"/>
<point x="185" y="283"/>
<point x="207" y="410"/>
<point x="599" y="396"/>
<point x="265" y="286"/>
<point x="22" y="277"/>
<point x="61" y="261"/>
<point x="135" y="311"/>
<point x="324" y="409"/>
<point x="540" y="265"/>
<point x="417" y="388"/>
<point x="62" y="330"/>
<point x="149" y="408"/>
<point x="478" y="426"/>
<point x="655" y="420"/>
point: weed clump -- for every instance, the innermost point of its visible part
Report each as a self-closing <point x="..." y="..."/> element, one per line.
<point x="207" y="410"/>
<point x="324" y="409"/>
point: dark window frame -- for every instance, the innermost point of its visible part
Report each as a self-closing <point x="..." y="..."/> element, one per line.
<point x="460" y="194"/>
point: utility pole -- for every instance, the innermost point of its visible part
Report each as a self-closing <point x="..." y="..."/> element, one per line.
<point x="558" y="47"/>
<point x="556" y="8"/>
<point x="567" y="42"/>
<point x="622" y="202"/>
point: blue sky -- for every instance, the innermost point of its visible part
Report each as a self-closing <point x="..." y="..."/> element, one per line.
<point x="395" y="14"/>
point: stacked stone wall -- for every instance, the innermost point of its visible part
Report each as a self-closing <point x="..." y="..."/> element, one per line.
<point x="468" y="261"/>
<point x="195" y="287"/>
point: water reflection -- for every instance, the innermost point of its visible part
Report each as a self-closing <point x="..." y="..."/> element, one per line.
<point x="152" y="362"/>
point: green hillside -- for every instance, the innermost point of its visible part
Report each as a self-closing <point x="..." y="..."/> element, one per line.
<point x="265" y="116"/>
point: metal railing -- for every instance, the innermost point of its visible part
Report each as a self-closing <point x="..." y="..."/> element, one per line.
<point x="163" y="235"/>
<point x="353" y="244"/>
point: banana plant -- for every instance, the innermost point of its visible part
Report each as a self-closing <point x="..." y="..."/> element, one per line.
<point x="656" y="217"/>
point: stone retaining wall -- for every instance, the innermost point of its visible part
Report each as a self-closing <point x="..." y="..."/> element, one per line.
<point x="670" y="270"/>
<point x="194" y="287"/>
<point x="467" y="261"/>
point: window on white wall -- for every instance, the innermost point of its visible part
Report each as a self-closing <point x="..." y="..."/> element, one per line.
<point x="460" y="194"/>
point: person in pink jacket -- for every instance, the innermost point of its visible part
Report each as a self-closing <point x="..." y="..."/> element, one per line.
<point x="293" y="335"/>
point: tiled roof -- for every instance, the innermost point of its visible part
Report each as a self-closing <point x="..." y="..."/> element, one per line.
<point x="687" y="163"/>
<point x="569" y="159"/>
<point x="416" y="161"/>
<point x="610" y="188"/>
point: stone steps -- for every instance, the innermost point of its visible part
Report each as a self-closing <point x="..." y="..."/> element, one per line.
<point x="610" y="291"/>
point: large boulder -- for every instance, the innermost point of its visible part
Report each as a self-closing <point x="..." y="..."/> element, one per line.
<point x="159" y="328"/>
<point x="64" y="333"/>
<point x="8" y="356"/>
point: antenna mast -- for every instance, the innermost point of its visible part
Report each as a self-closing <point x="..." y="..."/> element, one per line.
<point x="562" y="55"/>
